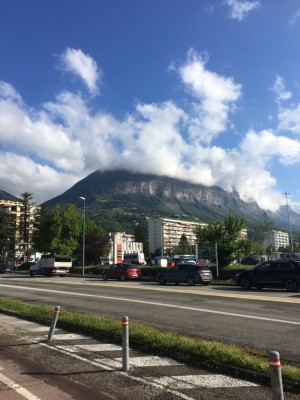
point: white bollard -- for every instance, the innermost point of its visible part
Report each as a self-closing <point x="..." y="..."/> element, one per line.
<point x="125" y="343"/>
<point x="276" y="379"/>
<point x="53" y="323"/>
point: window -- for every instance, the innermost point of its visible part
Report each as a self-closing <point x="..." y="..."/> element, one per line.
<point x="286" y="266"/>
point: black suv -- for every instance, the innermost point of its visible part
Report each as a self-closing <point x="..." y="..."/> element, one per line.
<point x="273" y="273"/>
<point x="185" y="273"/>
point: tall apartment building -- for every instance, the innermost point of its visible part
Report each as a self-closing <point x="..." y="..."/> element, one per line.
<point x="276" y="239"/>
<point x="13" y="244"/>
<point x="165" y="234"/>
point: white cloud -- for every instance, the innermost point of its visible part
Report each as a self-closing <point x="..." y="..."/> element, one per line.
<point x="19" y="174"/>
<point x="215" y="96"/>
<point x="289" y="119"/>
<point x="295" y="17"/>
<point x="47" y="149"/>
<point x="82" y="65"/>
<point x="240" y="9"/>
<point x="279" y="89"/>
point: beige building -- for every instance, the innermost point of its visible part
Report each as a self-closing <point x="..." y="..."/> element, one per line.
<point x="165" y="234"/>
<point x="13" y="245"/>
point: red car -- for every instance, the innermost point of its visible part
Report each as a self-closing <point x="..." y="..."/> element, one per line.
<point x="122" y="272"/>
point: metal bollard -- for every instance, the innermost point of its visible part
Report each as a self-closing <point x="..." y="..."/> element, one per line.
<point x="276" y="380"/>
<point x="125" y="343"/>
<point x="53" y="323"/>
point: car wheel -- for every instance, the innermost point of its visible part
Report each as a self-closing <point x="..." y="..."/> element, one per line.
<point x="190" y="281"/>
<point x="161" y="280"/>
<point x="292" y="285"/>
<point x="104" y="277"/>
<point x="245" y="283"/>
<point x="123" y="278"/>
<point x="31" y="273"/>
<point x="259" y="287"/>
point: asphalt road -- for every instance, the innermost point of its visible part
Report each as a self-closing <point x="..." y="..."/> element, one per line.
<point x="265" y="320"/>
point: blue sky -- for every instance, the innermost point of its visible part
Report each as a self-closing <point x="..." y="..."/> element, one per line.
<point x="205" y="91"/>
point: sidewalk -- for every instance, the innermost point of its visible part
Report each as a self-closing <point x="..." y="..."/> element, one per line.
<point x="79" y="367"/>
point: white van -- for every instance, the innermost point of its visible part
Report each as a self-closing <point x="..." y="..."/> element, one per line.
<point x="134" y="258"/>
<point x="106" y="260"/>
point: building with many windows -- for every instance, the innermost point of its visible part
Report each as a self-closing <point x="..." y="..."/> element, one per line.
<point x="13" y="244"/>
<point x="164" y="234"/>
<point x="276" y="239"/>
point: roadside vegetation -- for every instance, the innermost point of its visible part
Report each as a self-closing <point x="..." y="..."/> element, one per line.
<point x="230" y="359"/>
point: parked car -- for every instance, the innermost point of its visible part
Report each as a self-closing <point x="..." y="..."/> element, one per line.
<point x="122" y="272"/>
<point x="185" y="273"/>
<point x="5" y="269"/>
<point x="35" y="269"/>
<point x="251" y="260"/>
<point x="273" y="273"/>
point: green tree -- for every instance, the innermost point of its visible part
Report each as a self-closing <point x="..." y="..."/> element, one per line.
<point x="97" y="243"/>
<point x="141" y="234"/>
<point x="226" y="235"/>
<point x="265" y="227"/>
<point x="59" y="230"/>
<point x="250" y="247"/>
<point x="184" y="247"/>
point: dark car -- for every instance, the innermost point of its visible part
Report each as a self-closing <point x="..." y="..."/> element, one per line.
<point x="5" y="269"/>
<point x="251" y="260"/>
<point x="122" y="272"/>
<point x="273" y="273"/>
<point x="185" y="273"/>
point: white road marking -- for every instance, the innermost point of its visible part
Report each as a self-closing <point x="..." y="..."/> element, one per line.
<point x="102" y="365"/>
<point x="194" y="381"/>
<point x="151" y="361"/>
<point x="17" y="388"/>
<point x="125" y="299"/>
<point x="65" y="336"/>
<point x="91" y="347"/>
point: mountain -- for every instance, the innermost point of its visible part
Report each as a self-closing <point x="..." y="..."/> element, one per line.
<point x="119" y="199"/>
<point x="7" y="196"/>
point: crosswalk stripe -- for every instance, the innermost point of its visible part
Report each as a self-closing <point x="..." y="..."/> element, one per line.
<point x="194" y="381"/>
<point x="91" y="347"/>
<point x="151" y="361"/>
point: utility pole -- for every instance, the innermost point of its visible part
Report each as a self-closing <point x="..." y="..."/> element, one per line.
<point x="288" y="215"/>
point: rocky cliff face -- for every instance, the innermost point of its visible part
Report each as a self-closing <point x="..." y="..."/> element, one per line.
<point x="155" y="193"/>
<point x="174" y="190"/>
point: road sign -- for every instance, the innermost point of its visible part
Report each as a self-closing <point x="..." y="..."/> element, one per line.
<point x="207" y="251"/>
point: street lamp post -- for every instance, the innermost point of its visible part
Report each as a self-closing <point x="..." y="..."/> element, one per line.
<point x="288" y="216"/>
<point x="83" y="235"/>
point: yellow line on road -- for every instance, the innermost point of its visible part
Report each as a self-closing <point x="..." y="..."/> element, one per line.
<point x="208" y="291"/>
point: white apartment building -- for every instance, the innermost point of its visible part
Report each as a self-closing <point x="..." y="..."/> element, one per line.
<point x="165" y="234"/>
<point x="276" y="239"/>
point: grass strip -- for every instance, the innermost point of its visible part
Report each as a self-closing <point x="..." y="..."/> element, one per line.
<point x="232" y="359"/>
